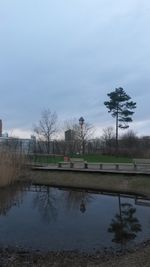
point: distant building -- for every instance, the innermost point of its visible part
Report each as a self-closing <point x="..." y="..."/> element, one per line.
<point x="21" y="145"/>
<point x="69" y="135"/>
<point x="146" y="137"/>
<point x="25" y="145"/>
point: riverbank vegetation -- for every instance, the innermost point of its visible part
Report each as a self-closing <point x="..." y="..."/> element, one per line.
<point x="11" y="166"/>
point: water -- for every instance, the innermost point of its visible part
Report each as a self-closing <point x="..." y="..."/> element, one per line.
<point x="49" y="218"/>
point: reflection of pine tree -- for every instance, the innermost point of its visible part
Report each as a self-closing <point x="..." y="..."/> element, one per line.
<point x="125" y="226"/>
<point x="45" y="202"/>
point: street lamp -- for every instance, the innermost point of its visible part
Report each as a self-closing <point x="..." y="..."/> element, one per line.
<point x="81" y="122"/>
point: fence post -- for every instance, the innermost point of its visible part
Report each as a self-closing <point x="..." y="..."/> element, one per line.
<point x="135" y="166"/>
<point x="117" y="166"/>
<point x="59" y="164"/>
<point x="71" y="164"/>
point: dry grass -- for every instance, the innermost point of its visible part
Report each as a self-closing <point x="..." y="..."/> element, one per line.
<point x="10" y="167"/>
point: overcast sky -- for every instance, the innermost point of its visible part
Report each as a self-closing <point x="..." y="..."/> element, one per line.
<point x="67" y="55"/>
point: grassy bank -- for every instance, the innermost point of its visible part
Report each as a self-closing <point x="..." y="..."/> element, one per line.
<point x="89" y="158"/>
<point x="105" y="158"/>
<point x="137" y="184"/>
<point x="11" y="165"/>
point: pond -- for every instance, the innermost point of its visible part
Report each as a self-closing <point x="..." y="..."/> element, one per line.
<point x="48" y="218"/>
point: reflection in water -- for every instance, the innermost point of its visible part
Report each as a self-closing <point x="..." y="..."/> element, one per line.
<point x="45" y="202"/>
<point x="125" y="226"/>
<point x="10" y="196"/>
<point x="61" y="230"/>
<point x="77" y="200"/>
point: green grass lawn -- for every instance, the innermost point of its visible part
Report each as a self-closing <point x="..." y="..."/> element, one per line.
<point x="88" y="158"/>
<point x="105" y="158"/>
<point x="46" y="159"/>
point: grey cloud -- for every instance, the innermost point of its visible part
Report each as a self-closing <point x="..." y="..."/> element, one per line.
<point x="69" y="58"/>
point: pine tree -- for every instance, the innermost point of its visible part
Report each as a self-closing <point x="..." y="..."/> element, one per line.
<point x="120" y="108"/>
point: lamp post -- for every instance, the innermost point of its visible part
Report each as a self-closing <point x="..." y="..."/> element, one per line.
<point x="82" y="207"/>
<point x="81" y="122"/>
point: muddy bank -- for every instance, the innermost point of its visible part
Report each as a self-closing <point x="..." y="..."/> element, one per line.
<point x="137" y="257"/>
<point x="134" y="184"/>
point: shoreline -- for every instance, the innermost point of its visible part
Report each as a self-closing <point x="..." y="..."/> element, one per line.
<point x="130" y="184"/>
<point x="15" y="256"/>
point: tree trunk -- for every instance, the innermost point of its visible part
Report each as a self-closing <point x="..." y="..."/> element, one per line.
<point x="48" y="145"/>
<point x="117" y="132"/>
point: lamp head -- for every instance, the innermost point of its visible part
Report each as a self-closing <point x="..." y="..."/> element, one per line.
<point x="81" y="121"/>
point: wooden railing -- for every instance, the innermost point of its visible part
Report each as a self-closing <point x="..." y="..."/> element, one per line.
<point x="141" y="163"/>
<point x="64" y="162"/>
<point x="95" y="165"/>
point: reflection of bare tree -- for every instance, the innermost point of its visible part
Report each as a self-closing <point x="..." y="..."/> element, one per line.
<point x="125" y="226"/>
<point x="10" y="196"/>
<point x="45" y="202"/>
<point x="77" y="200"/>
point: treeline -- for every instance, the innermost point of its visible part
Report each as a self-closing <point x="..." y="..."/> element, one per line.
<point x="129" y="145"/>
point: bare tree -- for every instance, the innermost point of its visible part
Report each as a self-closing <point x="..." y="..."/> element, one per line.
<point x="46" y="127"/>
<point x="80" y="136"/>
<point x="73" y="124"/>
<point x="130" y="144"/>
<point x="130" y="139"/>
<point x="108" y="133"/>
<point x="108" y="139"/>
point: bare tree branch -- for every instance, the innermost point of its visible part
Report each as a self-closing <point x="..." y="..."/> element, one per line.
<point x="46" y="127"/>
